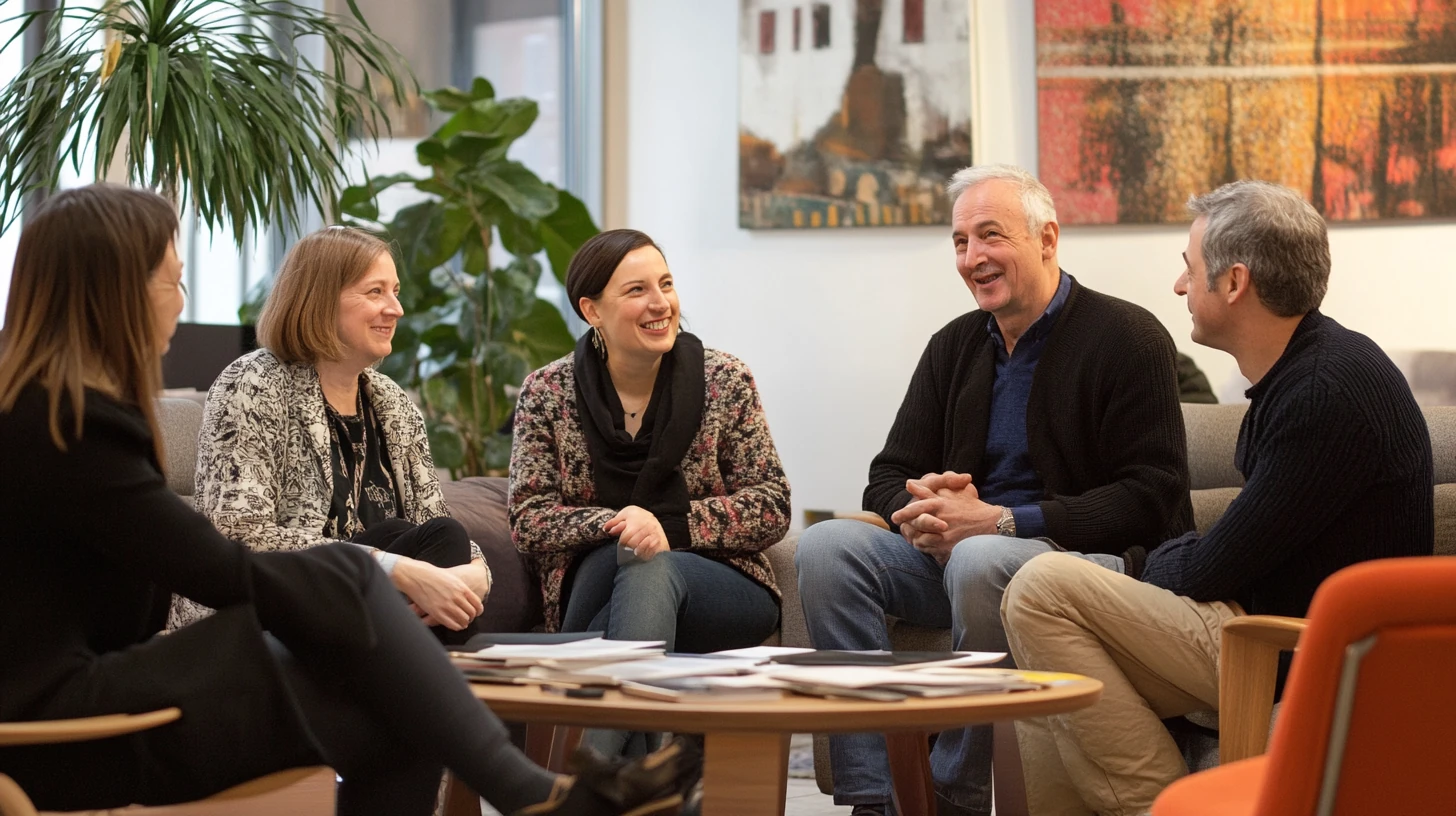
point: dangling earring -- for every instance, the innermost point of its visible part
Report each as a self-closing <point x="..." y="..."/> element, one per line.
<point x="596" y="341"/>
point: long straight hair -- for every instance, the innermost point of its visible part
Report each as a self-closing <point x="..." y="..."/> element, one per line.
<point x="79" y="305"/>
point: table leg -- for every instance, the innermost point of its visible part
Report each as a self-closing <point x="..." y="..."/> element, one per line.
<point x="1009" y="781"/>
<point x="539" y="739"/>
<point x="460" y="800"/>
<point x="745" y="774"/>
<point x="911" y="784"/>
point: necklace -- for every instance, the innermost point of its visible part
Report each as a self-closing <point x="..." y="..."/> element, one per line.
<point x="633" y="414"/>
<point x="350" y="524"/>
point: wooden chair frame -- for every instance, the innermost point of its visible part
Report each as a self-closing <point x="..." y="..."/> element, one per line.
<point x="14" y="802"/>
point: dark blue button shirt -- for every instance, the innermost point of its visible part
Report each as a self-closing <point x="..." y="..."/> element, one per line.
<point x="1010" y="479"/>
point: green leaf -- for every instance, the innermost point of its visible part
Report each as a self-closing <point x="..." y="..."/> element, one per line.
<point x="498" y="451"/>
<point x="527" y="196"/>
<point x="430" y="152"/>
<point x="428" y="233"/>
<point x="517" y="235"/>
<point x="360" y="200"/>
<point x="564" y="230"/>
<point x="514" y="291"/>
<point x="214" y="117"/>
<point x="446" y="445"/>
<point x="448" y="99"/>
<point x="542" y="333"/>
<point x="481" y="88"/>
<point x="441" y="396"/>
<point x="503" y="121"/>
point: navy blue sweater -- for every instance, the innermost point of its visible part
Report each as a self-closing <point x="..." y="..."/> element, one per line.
<point x="1337" y="468"/>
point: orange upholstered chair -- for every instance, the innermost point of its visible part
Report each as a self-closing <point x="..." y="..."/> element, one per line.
<point x="1367" y="725"/>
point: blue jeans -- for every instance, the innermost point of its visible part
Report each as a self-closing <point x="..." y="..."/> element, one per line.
<point x="851" y="575"/>
<point x="693" y="603"/>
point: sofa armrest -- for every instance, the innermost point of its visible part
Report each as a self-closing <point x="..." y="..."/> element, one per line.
<point x="1248" y="668"/>
<point x="792" y="629"/>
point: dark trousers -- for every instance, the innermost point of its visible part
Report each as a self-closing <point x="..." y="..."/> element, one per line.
<point x="439" y="541"/>
<point x="387" y="711"/>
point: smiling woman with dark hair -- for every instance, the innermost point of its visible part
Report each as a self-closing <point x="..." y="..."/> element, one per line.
<point x="644" y="483"/>
<point x="311" y="658"/>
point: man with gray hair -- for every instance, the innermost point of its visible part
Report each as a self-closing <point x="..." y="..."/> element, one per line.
<point x="1337" y="469"/>
<point x="1047" y="419"/>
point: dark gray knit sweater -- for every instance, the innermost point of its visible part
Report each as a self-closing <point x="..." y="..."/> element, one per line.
<point x="1103" y="425"/>
<point x="1337" y="469"/>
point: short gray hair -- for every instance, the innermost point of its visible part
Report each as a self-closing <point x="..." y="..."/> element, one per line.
<point x="1275" y="233"/>
<point x="1036" y="199"/>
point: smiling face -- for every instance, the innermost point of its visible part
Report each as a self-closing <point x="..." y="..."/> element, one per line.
<point x="1203" y="305"/>
<point x="637" y="311"/>
<point x="368" y="311"/>
<point x="165" y="290"/>
<point x="1011" y="272"/>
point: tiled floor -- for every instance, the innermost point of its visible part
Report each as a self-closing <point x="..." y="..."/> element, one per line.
<point x="804" y="800"/>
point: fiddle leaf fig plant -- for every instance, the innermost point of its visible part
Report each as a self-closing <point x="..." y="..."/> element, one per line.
<point x="207" y="99"/>
<point x="473" y="327"/>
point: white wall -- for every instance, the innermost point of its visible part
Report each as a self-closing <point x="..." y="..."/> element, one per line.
<point x="832" y="324"/>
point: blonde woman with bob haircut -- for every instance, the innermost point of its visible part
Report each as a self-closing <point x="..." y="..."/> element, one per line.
<point x="310" y="659"/>
<point x="303" y="442"/>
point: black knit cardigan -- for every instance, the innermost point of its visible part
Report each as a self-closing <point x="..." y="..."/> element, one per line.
<point x="1103" y="424"/>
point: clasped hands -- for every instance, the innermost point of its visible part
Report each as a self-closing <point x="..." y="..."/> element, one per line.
<point x="945" y="508"/>
<point x="638" y="530"/>
<point x="450" y="597"/>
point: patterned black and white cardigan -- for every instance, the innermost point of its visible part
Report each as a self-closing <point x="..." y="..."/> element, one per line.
<point x="263" y="472"/>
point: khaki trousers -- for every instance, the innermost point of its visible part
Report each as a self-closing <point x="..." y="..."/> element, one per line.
<point x="1156" y="654"/>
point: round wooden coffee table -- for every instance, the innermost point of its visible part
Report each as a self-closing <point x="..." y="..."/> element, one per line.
<point x="745" y="769"/>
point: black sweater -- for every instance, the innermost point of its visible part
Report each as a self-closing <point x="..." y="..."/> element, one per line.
<point x="1103" y="425"/>
<point x="1336" y="459"/>
<point x="94" y="545"/>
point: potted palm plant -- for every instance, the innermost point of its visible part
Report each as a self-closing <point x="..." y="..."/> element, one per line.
<point x="215" y="108"/>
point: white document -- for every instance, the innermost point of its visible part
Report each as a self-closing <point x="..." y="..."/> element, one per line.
<point x="657" y="668"/>
<point x="864" y="677"/>
<point x="961" y="659"/>
<point x="761" y="652"/>
<point x="598" y="650"/>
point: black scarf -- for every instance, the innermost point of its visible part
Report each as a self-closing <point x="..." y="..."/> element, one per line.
<point x="645" y="471"/>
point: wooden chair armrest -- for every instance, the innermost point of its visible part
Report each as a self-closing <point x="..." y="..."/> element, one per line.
<point x="865" y="516"/>
<point x="1248" y="667"/>
<point x="45" y="732"/>
<point x="267" y="784"/>
<point x="13" y="801"/>
<point x="1275" y="630"/>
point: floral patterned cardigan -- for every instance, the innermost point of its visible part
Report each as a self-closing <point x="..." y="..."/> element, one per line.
<point x="740" y="498"/>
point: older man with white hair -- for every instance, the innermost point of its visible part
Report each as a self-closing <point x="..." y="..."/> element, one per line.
<point x="1045" y="420"/>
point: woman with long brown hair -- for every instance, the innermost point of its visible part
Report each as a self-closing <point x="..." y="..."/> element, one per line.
<point x="312" y="658"/>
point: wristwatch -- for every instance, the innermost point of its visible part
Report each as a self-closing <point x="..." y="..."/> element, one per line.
<point x="1006" y="525"/>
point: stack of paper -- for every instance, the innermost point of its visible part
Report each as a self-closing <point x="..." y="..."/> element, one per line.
<point x="656" y="668"/>
<point x="875" y="683"/>
<point x="514" y="662"/>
